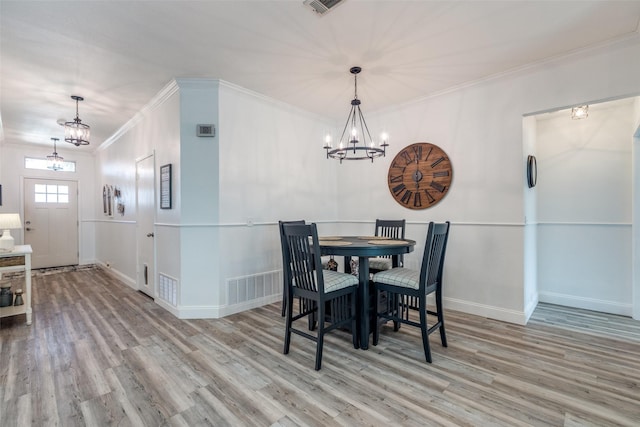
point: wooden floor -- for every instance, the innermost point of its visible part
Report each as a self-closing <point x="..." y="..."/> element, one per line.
<point x="100" y="354"/>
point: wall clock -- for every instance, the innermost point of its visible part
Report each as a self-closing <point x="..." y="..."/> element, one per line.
<point x="420" y="175"/>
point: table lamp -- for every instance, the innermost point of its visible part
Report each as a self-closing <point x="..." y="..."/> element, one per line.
<point x="7" y="222"/>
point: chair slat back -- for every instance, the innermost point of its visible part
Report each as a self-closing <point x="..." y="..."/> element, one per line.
<point x="302" y="244"/>
<point x="286" y="271"/>
<point x="391" y="228"/>
<point x="434" y="252"/>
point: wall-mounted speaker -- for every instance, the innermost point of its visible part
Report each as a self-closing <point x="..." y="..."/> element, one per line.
<point x="532" y="171"/>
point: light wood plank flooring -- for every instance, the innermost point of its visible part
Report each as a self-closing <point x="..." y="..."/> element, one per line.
<point x="101" y="354"/>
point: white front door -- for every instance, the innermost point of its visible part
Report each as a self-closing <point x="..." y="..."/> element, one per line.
<point x="51" y="221"/>
<point x="145" y="200"/>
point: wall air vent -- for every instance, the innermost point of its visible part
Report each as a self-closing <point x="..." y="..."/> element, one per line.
<point x="322" y="6"/>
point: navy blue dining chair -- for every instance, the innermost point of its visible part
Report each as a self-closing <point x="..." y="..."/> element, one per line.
<point x="333" y="294"/>
<point x="406" y="290"/>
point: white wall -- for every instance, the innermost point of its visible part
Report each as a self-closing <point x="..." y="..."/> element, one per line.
<point x="229" y="193"/>
<point x="481" y="129"/>
<point x="585" y="208"/>
<point x="270" y="170"/>
<point x="636" y="211"/>
<point x="529" y="129"/>
<point x="12" y="177"/>
<point x="154" y="130"/>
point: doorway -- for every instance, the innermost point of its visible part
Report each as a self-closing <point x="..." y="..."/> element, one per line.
<point x="51" y="221"/>
<point x="585" y="208"/>
<point x="145" y="219"/>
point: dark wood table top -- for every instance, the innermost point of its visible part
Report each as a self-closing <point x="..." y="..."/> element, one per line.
<point x="364" y="246"/>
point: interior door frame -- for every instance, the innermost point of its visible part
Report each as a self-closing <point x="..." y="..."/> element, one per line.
<point x="635" y="227"/>
<point x="153" y="220"/>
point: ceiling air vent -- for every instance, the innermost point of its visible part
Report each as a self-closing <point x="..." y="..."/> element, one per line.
<point x="322" y="6"/>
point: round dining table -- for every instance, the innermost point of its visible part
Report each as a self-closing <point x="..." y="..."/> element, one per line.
<point x="364" y="247"/>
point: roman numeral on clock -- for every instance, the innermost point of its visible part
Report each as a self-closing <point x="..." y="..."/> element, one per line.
<point x="437" y="162"/>
<point x="430" y="198"/>
<point x="397" y="178"/>
<point x="428" y="154"/>
<point x="396" y="165"/>
<point x="398" y="189"/>
<point x="440" y="173"/>
<point x="417" y="200"/>
<point x="407" y="157"/>
<point x="406" y="197"/>
<point x="437" y="186"/>
<point x="418" y="151"/>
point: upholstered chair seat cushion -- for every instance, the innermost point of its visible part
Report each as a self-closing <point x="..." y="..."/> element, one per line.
<point x="399" y="276"/>
<point x="380" y="264"/>
<point x="334" y="280"/>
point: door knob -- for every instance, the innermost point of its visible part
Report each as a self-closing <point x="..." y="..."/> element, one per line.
<point x="150" y="234"/>
<point x="28" y="229"/>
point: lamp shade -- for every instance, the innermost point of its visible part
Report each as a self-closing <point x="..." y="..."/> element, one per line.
<point x="8" y="222"/>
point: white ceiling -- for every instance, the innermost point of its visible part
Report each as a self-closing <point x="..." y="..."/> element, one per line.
<point x="119" y="54"/>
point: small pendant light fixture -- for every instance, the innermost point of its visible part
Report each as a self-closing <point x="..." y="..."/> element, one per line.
<point x="76" y="132"/>
<point x="581" y="112"/>
<point x="54" y="162"/>
<point x="358" y="144"/>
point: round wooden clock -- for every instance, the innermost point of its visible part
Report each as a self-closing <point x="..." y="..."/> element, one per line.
<point x="420" y="175"/>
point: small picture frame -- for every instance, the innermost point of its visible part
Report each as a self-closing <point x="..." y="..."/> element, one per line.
<point x="107" y="200"/>
<point x="165" y="186"/>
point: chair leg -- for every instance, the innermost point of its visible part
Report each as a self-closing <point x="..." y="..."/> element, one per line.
<point x="320" y="339"/>
<point x="313" y="317"/>
<point x="376" y="323"/>
<point x="287" y="330"/>
<point x="443" y="335"/>
<point x="396" y="307"/>
<point x="422" y="304"/>
<point x="284" y="300"/>
<point x="354" y="324"/>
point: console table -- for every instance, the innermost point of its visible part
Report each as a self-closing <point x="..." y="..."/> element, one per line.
<point x="19" y="259"/>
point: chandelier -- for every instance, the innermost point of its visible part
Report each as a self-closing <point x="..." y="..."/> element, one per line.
<point x="54" y="162"/>
<point x="76" y="132"/>
<point x="356" y="144"/>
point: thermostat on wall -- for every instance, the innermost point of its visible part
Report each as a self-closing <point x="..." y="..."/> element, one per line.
<point x="206" y="130"/>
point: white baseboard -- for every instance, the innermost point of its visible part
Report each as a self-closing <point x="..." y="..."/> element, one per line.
<point x="491" y="312"/>
<point x="612" y="307"/>
<point x="118" y="275"/>
<point x="216" y="312"/>
<point x="529" y="309"/>
<point x="248" y="305"/>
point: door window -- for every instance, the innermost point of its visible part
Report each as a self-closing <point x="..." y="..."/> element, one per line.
<point x="51" y="193"/>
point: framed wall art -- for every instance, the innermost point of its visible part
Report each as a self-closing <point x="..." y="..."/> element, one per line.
<point x="165" y="186"/>
<point x="107" y="200"/>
